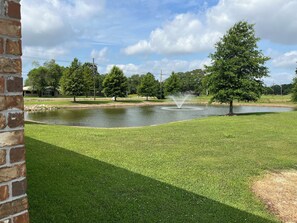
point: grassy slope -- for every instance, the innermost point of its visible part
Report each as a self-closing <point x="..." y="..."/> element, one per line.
<point x="193" y="171"/>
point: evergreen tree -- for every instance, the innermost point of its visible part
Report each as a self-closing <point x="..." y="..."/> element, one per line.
<point x="237" y="67"/>
<point x="115" y="83"/>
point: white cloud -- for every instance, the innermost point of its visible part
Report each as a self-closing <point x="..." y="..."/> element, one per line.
<point x="43" y="52"/>
<point x="128" y="69"/>
<point x="275" y="20"/>
<point x="279" y="78"/>
<point x="187" y="33"/>
<point x="53" y="22"/>
<point x="100" y="56"/>
<point x="155" y="66"/>
<point x="286" y="60"/>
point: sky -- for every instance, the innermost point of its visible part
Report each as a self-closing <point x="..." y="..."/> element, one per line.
<point x="143" y="36"/>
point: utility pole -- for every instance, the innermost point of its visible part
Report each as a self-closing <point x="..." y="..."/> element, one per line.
<point x="94" y="73"/>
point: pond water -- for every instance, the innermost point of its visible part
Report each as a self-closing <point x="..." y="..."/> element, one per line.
<point x="137" y="116"/>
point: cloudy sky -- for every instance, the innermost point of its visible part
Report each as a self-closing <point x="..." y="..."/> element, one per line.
<point x="149" y="35"/>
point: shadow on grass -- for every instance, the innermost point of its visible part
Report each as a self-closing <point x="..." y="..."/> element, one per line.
<point x="129" y="101"/>
<point x="64" y="186"/>
<point x="256" y="113"/>
<point x="91" y="102"/>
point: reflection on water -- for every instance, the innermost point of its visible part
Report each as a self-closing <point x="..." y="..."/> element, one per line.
<point x="137" y="116"/>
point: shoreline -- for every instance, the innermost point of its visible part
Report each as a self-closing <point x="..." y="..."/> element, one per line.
<point x="44" y="107"/>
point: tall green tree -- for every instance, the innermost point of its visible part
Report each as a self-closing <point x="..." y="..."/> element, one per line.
<point x="148" y="86"/>
<point x="89" y="78"/>
<point x="37" y="79"/>
<point x="115" y="83"/>
<point x="172" y="84"/>
<point x="72" y="81"/>
<point x="237" y="67"/>
<point x="294" y="88"/>
<point x="53" y="75"/>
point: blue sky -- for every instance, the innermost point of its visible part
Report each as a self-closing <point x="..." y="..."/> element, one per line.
<point x="143" y="36"/>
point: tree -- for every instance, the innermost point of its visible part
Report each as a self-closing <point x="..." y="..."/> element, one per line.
<point x="237" y="67"/>
<point x="133" y="83"/>
<point x="172" y="84"/>
<point x="148" y="86"/>
<point x="191" y="81"/>
<point x="37" y="78"/>
<point x="72" y="81"/>
<point x="53" y="75"/>
<point x="115" y="83"/>
<point x="89" y="78"/>
<point x="294" y="89"/>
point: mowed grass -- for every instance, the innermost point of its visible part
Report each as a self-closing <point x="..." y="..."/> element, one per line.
<point x="64" y="102"/>
<point x="192" y="171"/>
<point x="276" y="100"/>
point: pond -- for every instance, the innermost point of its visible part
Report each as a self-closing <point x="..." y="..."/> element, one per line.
<point x="137" y="116"/>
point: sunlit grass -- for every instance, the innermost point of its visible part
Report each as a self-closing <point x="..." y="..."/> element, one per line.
<point x="193" y="171"/>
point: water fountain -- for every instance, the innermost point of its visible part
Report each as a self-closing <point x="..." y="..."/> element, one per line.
<point x="179" y="101"/>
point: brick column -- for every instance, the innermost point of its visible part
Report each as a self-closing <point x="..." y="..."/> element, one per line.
<point x="13" y="198"/>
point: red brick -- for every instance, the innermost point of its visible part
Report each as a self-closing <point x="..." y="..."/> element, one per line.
<point x="10" y="66"/>
<point x="2" y="85"/>
<point x="10" y="28"/>
<point x="1" y="46"/>
<point x="10" y="102"/>
<point x="17" y="154"/>
<point x="2" y="121"/>
<point x="13" y="47"/>
<point x="4" y="193"/>
<point x="24" y="218"/>
<point x="2" y="157"/>
<point x="11" y="138"/>
<point x="13" y="172"/>
<point x="15" y="120"/>
<point x="13" y="207"/>
<point x="19" y="188"/>
<point x="14" y="84"/>
<point x="14" y="10"/>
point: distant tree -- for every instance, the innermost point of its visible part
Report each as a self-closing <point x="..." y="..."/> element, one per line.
<point x="53" y="75"/>
<point x="133" y="83"/>
<point x="89" y="73"/>
<point x="115" y="83"/>
<point x="294" y="88"/>
<point x="37" y="78"/>
<point x="191" y="81"/>
<point x="148" y="86"/>
<point x="161" y="93"/>
<point x="99" y="78"/>
<point x="172" y="84"/>
<point x="72" y="81"/>
<point x="237" y="67"/>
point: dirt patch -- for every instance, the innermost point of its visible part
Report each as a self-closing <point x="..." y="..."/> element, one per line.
<point x="278" y="190"/>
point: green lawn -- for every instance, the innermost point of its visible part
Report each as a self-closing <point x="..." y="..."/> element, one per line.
<point x="133" y="99"/>
<point x="193" y="171"/>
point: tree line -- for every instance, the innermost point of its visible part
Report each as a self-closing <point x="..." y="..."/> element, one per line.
<point x="83" y="79"/>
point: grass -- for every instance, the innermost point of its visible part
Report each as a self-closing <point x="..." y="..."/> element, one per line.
<point x="193" y="171"/>
<point x="279" y="100"/>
